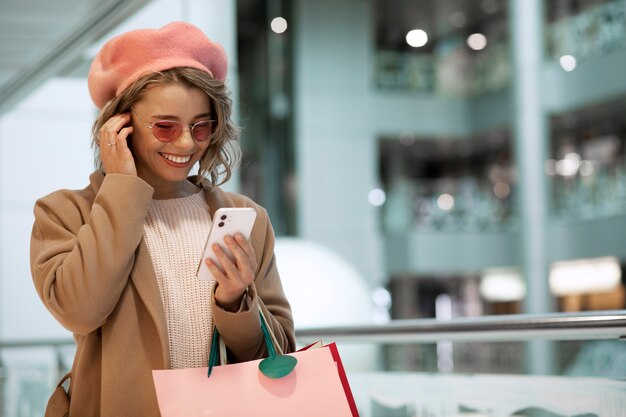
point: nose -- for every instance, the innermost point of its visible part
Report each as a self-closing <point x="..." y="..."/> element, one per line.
<point x="185" y="140"/>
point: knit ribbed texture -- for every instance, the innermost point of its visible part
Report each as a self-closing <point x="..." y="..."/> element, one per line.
<point x="176" y="231"/>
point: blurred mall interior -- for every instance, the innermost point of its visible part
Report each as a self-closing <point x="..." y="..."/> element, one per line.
<point x="420" y="159"/>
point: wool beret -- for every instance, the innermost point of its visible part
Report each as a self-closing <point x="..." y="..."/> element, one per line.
<point x="127" y="57"/>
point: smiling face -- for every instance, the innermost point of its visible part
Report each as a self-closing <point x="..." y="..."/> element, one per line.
<point x="166" y="165"/>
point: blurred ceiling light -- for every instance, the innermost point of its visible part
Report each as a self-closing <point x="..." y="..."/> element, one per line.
<point x="377" y="197"/>
<point x="569" y="165"/>
<point x="502" y="190"/>
<point x="416" y="38"/>
<point x="381" y="297"/>
<point x="445" y="202"/>
<point x="278" y="25"/>
<point x="407" y="137"/>
<point x="585" y="276"/>
<point x="458" y="19"/>
<point x="502" y="285"/>
<point x="568" y="62"/>
<point x="587" y="168"/>
<point x="477" y="41"/>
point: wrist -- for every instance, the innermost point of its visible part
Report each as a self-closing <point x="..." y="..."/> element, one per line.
<point x="231" y="307"/>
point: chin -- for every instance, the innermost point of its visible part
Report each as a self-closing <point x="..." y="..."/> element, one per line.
<point x="176" y="177"/>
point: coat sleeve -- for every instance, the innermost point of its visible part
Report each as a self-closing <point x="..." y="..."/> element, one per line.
<point x="241" y="331"/>
<point x="82" y="249"/>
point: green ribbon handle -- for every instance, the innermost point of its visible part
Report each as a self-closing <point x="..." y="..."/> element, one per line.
<point x="268" y="338"/>
<point x="214" y="354"/>
<point x="275" y="366"/>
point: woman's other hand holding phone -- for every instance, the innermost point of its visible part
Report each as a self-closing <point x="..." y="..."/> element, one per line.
<point x="237" y="272"/>
<point x="114" y="153"/>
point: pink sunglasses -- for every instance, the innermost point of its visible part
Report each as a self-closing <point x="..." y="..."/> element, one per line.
<point x="170" y="130"/>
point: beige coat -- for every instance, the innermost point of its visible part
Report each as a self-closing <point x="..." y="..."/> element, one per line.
<point x="93" y="272"/>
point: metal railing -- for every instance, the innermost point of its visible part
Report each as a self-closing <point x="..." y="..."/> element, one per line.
<point x="523" y="327"/>
<point x="513" y="327"/>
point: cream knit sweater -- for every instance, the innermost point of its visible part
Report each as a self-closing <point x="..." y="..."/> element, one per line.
<point x="176" y="231"/>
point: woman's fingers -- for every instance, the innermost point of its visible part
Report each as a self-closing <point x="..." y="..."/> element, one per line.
<point x="228" y="266"/>
<point x="247" y="248"/>
<point x="113" y="140"/>
<point x="238" y="266"/>
<point x="228" y="291"/>
<point x="218" y="274"/>
<point x="107" y="135"/>
<point x="245" y="264"/>
<point x="122" y="142"/>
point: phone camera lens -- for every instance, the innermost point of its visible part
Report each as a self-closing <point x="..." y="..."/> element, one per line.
<point x="223" y="217"/>
<point x="221" y="224"/>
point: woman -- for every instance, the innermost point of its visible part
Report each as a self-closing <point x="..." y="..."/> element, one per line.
<point x="116" y="262"/>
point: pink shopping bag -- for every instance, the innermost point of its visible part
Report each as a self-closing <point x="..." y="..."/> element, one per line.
<point x="316" y="387"/>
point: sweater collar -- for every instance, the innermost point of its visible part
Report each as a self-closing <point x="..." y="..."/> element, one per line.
<point x="215" y="196"/>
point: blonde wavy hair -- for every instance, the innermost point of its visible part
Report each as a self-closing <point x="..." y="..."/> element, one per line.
<point x="223" y="154"/>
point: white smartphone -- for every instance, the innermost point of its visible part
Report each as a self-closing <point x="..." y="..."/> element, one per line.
<point x="226" y="221"/>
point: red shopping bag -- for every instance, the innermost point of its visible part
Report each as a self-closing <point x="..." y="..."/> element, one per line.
<point x="317" y="386"/>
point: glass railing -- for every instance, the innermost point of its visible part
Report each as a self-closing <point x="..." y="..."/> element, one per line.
<point x="475" y="367"/>
<point x="29" y="370"/>
<point x="583" y="198"/>
<point x="466" y="367"/>
<point x="597" y="31"/>
<point x="424" y="395"/>
<point x="450" y="205"/>
<point x="451" y="72"/>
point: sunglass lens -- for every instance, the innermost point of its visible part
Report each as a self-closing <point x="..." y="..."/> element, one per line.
<point x="201" y="131"/>
<point x="167" y="131"/>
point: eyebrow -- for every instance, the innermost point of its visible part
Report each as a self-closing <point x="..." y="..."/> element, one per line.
<point x="172" y="117"/>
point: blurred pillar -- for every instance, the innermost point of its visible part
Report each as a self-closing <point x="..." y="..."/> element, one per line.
<point x="531" y="141"/>
<point x="277" y="152"/>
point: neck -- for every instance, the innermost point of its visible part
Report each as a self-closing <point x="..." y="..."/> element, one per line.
<point x="174" y="190"/>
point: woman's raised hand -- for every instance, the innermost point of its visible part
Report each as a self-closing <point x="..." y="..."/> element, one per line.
<point x="114" y="153"/>
<point x="237" y="272"/>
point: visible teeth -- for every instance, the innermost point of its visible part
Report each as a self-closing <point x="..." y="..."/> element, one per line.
<point x="177" y="159"/>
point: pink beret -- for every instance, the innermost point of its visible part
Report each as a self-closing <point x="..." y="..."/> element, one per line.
<point x="127" y="57"/>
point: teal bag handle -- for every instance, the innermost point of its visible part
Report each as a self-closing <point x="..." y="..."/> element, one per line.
<point x="274" y="366"/>
<point x="214" y="355"/>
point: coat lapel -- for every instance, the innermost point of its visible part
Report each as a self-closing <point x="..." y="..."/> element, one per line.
<point x="144" y="279"/>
